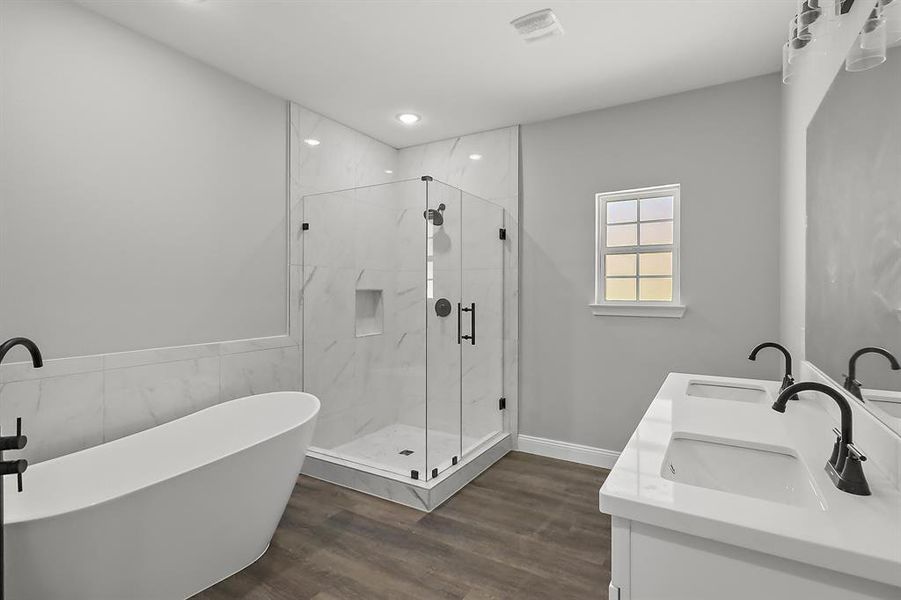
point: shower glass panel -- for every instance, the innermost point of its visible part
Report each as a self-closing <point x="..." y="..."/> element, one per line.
<point x="402" y="297"/>
<point x="444" y="241"/>
<point x="364" y="324"/>
<point x="483" y="285"/>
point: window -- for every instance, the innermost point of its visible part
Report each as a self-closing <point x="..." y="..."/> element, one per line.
<point x="637" y="269"/>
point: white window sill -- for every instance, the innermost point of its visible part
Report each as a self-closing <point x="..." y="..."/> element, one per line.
<point x="673" y="311"/>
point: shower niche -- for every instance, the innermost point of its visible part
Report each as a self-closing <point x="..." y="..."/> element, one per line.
<point x="403" y="337"/>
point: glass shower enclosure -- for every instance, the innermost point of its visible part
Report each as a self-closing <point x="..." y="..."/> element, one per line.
<point x="403" y="344"/>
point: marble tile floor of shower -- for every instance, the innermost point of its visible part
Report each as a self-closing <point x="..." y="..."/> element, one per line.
<point x="400" y="448"/>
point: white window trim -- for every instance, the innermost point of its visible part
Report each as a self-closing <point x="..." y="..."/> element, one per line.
<point x="601" y="307"/>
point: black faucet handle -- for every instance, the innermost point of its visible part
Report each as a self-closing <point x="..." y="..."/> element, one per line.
<point x="852" y="478"/>
<point x="854" y="452"/>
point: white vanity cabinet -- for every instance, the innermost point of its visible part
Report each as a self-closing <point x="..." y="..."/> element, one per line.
<point x="759" y="521"/>
<point x="654" y="563"/>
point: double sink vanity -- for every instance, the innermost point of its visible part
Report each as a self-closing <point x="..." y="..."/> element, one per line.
<point x="717" y="495"/>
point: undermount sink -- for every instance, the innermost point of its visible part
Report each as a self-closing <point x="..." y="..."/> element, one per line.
<point x="776" y="476"/>
<point x="725" y="391"/>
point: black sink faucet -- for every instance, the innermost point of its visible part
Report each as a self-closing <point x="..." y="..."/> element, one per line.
<point x="14" y="442"/>
<point x="788" y="379"/>
<point x="844" y="465"/>
<point x="851" y="383"/>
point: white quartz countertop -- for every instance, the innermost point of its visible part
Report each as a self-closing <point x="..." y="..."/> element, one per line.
<point x="857" y="535"/>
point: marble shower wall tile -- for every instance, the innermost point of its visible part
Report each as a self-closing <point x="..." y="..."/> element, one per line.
<point x="344" y="158"/>
<point x="141" y="397"/>
<point x="249" y="373"/>
<point x="60" y="415"/>
<point x="494" y="177"/>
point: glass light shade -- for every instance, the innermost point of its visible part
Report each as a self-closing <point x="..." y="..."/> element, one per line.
<point x="788" y="67"/>
<point x="872" y="36"/>
<point x="861" y="58"/>
<point x="891" y="12"/>
<point x="806" y="19"/>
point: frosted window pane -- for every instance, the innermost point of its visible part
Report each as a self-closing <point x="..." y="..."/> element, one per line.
<point x="429" y="289"/>
<point x="430" y="247"/>
<point x="430" y="270"/>
<point x="622" y="235"/>
<point x="657" y="233"/>
<point x="623" y="211"/>
<point x="657" y="208"/>
<point x="656" y="263"/>
<point x="620" y="289"/>
<point x="657" y="289"/>
<point x="620" y="264"/>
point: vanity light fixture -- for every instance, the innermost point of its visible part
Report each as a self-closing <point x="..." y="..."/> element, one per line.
<point x="388" y="171"/>
<point x="408" y="118"/>
<point x="815" y="18"/>
<point x="475" y="157"/>
<point x="311" y="142"/>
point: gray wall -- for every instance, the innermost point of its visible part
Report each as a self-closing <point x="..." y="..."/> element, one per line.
<point x="854" y="224"/>
<point x="143" y="194"/>
<point x="588" y="379"/>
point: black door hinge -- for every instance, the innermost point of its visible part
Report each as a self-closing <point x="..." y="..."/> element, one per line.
<point x="305" y="226"/>
<point x="414" y="474"/>
<point x="454" y="460"/>
<point x="502" y="404"/>
<point x="434" y="472"/>
<point x="502" y="233"/>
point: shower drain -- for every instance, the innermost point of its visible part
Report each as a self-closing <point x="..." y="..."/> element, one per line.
<point x="406" y="452"/>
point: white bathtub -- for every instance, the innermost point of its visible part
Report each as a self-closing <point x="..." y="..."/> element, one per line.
<point x="162" y="514"/>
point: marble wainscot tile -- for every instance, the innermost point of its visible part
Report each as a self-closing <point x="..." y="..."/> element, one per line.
<point x="60" y="415"/>
<point x="138" y="398"/>
<point x="57" y="367"/>
<point x="258" y="372"/>
<point x="120" y="360"/>
<point x="249" y="345"/>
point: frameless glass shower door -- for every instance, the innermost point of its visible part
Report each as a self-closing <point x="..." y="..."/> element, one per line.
<point x="483" y="290"/>
<point x="364" y="338"/>
<point x="401" y="290"/>
<point x="444" y="241"/>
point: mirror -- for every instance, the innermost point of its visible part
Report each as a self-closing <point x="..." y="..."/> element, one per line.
<point x="854" y="234"/>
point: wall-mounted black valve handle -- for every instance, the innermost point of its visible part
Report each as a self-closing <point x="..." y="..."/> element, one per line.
<point x="14" y="442"/>
<point x="14" y="467"/>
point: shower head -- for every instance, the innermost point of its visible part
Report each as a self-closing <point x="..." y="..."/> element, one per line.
<point x="435" y="216"/>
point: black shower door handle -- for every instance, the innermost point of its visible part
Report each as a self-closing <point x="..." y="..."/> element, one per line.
<point x="472" y="320"/>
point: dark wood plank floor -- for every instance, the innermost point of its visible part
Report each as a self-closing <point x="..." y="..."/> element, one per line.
<point x="529" y="527"/>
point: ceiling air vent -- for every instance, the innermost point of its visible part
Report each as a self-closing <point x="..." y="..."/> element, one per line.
<point x="538" y="25"/>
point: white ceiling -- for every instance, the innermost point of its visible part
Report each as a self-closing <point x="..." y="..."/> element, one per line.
<point x="459" y="63"/>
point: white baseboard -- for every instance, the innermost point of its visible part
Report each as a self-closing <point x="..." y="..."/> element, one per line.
<point x="577" y="453"/>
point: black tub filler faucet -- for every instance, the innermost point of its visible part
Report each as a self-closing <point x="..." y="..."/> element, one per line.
<point x="13" y="442"/>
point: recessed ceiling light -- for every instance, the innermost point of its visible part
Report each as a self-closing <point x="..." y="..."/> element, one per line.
<point x="408" y="118"/>
<point x="537" y="25"/>
<point x="475" y="157"/>
<point x="311" y="142"/>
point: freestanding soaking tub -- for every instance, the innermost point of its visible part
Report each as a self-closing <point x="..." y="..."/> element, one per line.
<point x="161" y="514"/>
